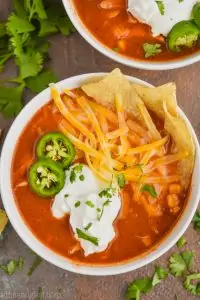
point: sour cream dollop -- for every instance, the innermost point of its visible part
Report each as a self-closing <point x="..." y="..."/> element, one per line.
<point x="92" y="206"/>
<point x="161" y="17"/>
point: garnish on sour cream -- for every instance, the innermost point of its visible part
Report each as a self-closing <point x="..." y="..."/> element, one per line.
<point x="161" y="15"/>
<point x="92" y="206"/>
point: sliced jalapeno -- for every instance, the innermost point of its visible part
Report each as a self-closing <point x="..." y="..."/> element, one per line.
<point x="57" y="147"/>
<point x="46" y="177"/>
<point x="196" y="14"/>
<point x="183" y="34"/>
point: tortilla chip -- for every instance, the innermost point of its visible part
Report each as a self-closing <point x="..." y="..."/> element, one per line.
<point x="137" y="99"/>
<point x="180" y="132"/>
<point x="115" y="85"/>
<point x="153" y="98"/>
<point x="162" y="101"/>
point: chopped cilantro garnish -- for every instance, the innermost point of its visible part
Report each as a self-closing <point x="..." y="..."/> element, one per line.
<point x="121" y="180"/>
<point x="89" y="203"/>
<point x="196" y="220"/>
<point x="84" y="236"/>
<point x="159" y="275"/>
<point x="81" y="177"/>
<point x="138" y="287"/>
<point x="98" y="209"/>
<point x="161" y="6"/>
<point x="77" y="204"/>
<point x="106" y="203"/>
<point x="74" y="172"/>
<point x="108" y="192"/>
<point x="150" y="189"/>
<point x="181" y="242"/>
<point x="151" y="49"/>
<point x="10" y="268"/>
<point x="180" y="262"/>
<point x="66" y="195"/>
<point x="37" y="261"/>
<point x="20" y="263"/>
<point x="194" y="289"/>
<point x="88" y="226"/>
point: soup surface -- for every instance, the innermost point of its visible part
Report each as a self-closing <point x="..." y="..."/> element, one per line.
<point x="139" y="225"/>
<point x="111" y="23"/>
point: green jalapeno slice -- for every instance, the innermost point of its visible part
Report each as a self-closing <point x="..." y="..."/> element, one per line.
<point x="57" y="147"/>
<point x="183" y="34"/>
<point x="196" y="13"/>
<point x="46" y="177"/>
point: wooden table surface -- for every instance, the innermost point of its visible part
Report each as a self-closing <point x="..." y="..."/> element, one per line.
<point x="72" y="56"/>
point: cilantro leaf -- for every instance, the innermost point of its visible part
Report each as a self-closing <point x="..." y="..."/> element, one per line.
<point x="138" y="286"/>
<point x="57" y="20"/>
<point x="106" y="203"/>
<point x="194" y="289"/>
<point x="196" y="220"/>
<point x="37" y="261"/>
<point x="47" y="28"/>
<point x="181" y="242"/>
<point x="10" y="267"/>
<point x="150" y="189"/>
<point x="35" y="9"/>
<point x="161" y="7"/>
<point x="159" y="275"/>
<point x="84" y="236"/>
<point x="77" y="204"/>
<point x="30" y="63"/>
<point x="20" y="9"/>
<point x="75" y="171"/>
<point x="39" y="83"/>
<point x="10" y="100"/>
<point x="20" y="263"/>
<point x="151" y="49"/>
<point x="18" y="25"/>
<point x="88" y="226"/>
<point x="179" y="263"/>
<point x="121" y="180"/>
<point x="89" y="203"/>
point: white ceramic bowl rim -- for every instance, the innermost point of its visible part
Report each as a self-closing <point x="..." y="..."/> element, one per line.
<point x="145" y="65"/>
<point x="25" y="233"/>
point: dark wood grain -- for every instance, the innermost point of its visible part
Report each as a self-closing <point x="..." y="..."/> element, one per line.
<point x="72" y="56"/>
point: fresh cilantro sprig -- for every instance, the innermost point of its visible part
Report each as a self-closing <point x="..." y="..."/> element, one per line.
<point x="194" y="289"/>
<point x="181" y="242"/>
<point x="150" y="189"/>
<point x="151" y="49"/>
<point x="145" y="285"/>
<point x="85" y="236"/>
<point x="12" y="266"/>
<point x="179" y="263"/>
<point x="196" y="220"/>
<point x="23" y="38"/>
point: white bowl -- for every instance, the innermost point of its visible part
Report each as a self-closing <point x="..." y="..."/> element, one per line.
<point x="131" y="62"/>
<point x="25" y="233"/>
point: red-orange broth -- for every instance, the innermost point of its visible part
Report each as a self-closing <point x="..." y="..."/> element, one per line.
<point x="136" y="232"/>
<point x="121" y="32"/>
